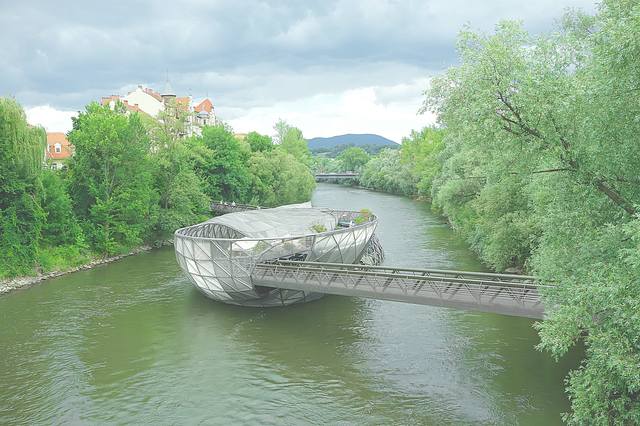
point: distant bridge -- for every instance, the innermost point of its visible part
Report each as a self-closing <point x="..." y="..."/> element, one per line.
<point x="331" y="176"/>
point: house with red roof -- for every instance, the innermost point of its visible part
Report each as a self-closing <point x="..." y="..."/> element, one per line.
<point x="58" y="150"/>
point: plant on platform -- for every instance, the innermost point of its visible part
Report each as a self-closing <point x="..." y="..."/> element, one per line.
<point x="363" y="216"/>
<point x="318" y="228"/>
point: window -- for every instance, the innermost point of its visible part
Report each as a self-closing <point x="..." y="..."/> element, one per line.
<point x="58" y="148"/>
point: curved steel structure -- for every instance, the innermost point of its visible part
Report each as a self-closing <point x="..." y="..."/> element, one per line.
<point x="221" y="255"/>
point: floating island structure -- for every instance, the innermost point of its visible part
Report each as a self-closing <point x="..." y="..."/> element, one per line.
<point x="220" y="255"/>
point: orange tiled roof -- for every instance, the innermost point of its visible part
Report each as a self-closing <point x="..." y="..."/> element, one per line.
<point x="107" y="99"/>
<point x="205" y="105"/>
<point x="183" y="102"/>
<point x="134" y="107"/>
<point x="153" y="93"/>
<point x="66" y="149"/>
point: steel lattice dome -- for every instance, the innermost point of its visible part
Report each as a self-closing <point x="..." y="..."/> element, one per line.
<point x="219" y="255"/>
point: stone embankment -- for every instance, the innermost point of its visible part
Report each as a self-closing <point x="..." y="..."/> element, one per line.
<point x="21" y="282"/>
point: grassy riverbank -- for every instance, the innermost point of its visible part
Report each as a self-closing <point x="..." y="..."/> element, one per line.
<point x="67" y="261"/>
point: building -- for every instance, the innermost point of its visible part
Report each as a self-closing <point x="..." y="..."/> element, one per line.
<point x="204" y="113"/>
<point x="58" y="150"/>
<point x="141" y="99"/>
<point x="200" y="113"/>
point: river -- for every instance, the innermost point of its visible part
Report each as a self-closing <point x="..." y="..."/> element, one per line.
<point x="134" y="342"/>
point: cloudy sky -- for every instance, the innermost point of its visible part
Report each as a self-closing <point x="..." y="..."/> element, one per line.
<point x="328" y="67"/>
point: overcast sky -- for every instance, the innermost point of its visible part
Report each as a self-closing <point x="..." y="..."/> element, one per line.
<point x="328" y="67"/>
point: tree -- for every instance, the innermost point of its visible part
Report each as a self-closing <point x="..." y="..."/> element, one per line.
<point x="222" y="164"/>
<point x="62" y="244"/>
<point x="60" y="226"/>
<point x="539" y="170"/>
<point x="278" y="178"/>
<point x="353" y="159"/>
<point x="386" y="172"/>
<point x="182" y="200"/>
<point x="21" y="216"/>
<point x="420" y="150"/>
<point x="281" y="127"/>
<point x="111" y="178"/>
<point x="322" y="164"/>
<point x="291" y="140"/>
<point x="259" y="142"/>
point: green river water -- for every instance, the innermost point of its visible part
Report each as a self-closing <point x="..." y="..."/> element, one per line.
<point x="134" y="342"/>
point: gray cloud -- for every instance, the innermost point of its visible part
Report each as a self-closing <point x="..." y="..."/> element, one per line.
<point x="243" y="54"/>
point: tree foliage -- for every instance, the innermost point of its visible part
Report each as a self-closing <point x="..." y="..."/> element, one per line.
<point x="386" y="172"/>
<point x="222" y="165"/>
<point x="420" y="151"/>
<point x="21" y="216"/>
<point x="259" y="143"/>
<point x="60" y="226"/>
<point x="539" y="171"/>
<point x="290" y="139"/>
<point x="278" y="178"/>
<point x="133" y="180"/>
<point x="182" y="200"/>
<point x="111" y="178"/>
<point x="352" y="159"/>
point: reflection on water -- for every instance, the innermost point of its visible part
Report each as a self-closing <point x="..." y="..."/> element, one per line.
<point x="134" y="342"/>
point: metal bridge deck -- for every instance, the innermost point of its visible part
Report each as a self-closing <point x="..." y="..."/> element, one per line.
<point x="499" y="293"/>
<point x="341" y="175"/>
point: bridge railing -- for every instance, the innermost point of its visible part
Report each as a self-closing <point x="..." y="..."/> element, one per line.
<point x="381" y="269"/>
<point x="500" y="293"/>
<point x="342" y="175"/>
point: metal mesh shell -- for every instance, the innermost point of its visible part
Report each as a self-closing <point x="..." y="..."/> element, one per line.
<point x="220" y="255"/>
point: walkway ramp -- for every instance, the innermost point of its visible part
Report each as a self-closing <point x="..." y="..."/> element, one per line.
<point x="515" y="295"/>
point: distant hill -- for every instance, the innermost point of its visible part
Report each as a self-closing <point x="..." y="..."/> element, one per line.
<point x="334" y="144"/>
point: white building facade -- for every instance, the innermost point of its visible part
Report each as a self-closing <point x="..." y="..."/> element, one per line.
<point x="200" y="113"/>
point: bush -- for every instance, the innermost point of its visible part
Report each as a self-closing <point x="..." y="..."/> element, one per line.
<point x="61" y="258"/>
<point x="319" y="228"/>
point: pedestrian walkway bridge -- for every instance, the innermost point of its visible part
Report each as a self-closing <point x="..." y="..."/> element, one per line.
<point x="339" y="175"/>
<point x="480" y="291"/>
<point x="286" y="255"/>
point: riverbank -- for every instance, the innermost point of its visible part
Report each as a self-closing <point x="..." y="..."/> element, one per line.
<point x="513" y="269"/>
<point x="9" y="285"/>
